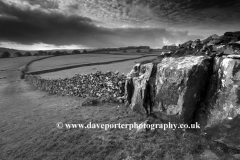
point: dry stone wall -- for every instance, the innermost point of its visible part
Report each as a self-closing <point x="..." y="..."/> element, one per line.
<point x="106" y="86"/>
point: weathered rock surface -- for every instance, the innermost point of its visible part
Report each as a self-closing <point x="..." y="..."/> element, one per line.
<point x="180" y="83"/>
<point x="172" y="87"/>
<point x="193" y="89"/>
<point x="223" y="101"/>
<point x="220" y="112"/>
<point x="139" y="86"/>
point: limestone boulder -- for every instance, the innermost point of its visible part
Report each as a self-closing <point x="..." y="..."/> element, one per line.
<point x="220" y="112"/>
<point x="223" y="99"/>
<point x="180" y="84"/>
<point x="138" y="87"/>
<point x="170" y="88"/>
<point x="187" y="89"/>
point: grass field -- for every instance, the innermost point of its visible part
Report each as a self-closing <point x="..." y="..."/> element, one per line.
<point x="62" y="61"/>
<point x="122" y="67"/>
<point x="5" y="67"/>
<point x="6" y="62"/>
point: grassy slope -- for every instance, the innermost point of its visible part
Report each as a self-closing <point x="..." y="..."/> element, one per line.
<point x="116" y="143"/>
<point x="99" y="144"/>
<point x="5" y="63"/>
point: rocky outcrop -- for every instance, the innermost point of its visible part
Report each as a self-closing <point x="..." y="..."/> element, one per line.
<point x="220" y="113"/>
<point x="140" y="87"/>
<point x="228" y="44"/>
<point x="180" y="83"/>
<point x="186" y="89"/>
<point x="223" y="99"/>
<point x="171" y="87"/>
<point x="191" y="89"/>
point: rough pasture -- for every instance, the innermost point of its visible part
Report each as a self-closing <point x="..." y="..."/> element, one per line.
<point x="122" y="67"/>
<point x="62" y="61"/>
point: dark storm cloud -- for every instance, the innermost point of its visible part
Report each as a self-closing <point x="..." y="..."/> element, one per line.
<point x="194" y="13"/>
<point x="28" y="26"/>
<point x="209" y="12"/>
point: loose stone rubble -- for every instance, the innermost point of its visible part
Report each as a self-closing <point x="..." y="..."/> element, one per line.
<point x="108" y="87"/>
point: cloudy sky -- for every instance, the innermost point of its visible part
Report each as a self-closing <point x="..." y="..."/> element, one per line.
<point x="48" y="24"/>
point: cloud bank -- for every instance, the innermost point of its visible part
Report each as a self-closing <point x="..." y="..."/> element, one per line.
<point x="33" y="24"/>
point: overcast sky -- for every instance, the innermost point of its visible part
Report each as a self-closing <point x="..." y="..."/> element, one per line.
<point x="48" y="24"/>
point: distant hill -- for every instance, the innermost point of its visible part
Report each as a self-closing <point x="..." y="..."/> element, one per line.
<point x="123" y="50"/>
<point x="12" y="51"/>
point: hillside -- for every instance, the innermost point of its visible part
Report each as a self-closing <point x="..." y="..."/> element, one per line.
<point x="12" y="51"/>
